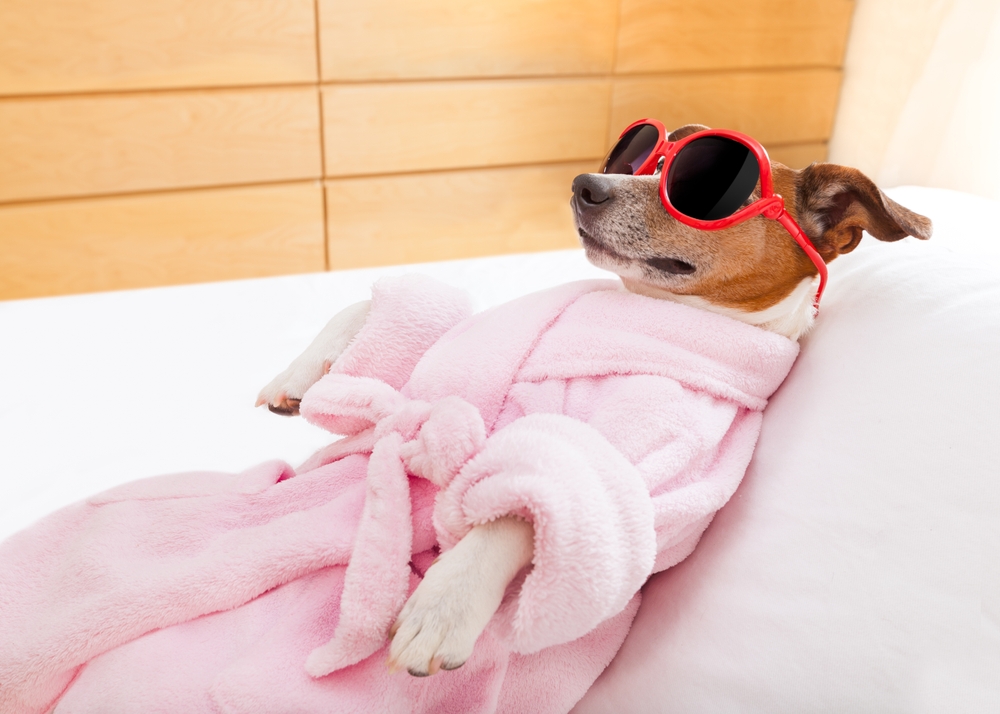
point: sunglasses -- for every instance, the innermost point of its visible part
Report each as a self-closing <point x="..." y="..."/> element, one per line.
<point x="706" y="179"/>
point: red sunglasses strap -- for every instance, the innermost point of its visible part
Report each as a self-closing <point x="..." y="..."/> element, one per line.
<point x="803" y="240"/>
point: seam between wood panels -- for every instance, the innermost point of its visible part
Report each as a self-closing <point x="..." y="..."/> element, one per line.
<point x="304" y="180"/>
<point x="466" y="169"/>
<point x="322" y="135"/>
<point x="139" y="193"/>
<point x="147" y="91"/>
<point x="666" y="74"/>
<point x="378" y="82"/>
<point x="99" y="93"/>
<point x="614" y="73"/>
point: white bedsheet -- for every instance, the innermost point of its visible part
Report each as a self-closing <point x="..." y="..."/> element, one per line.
<point x="105" y="388"/>
<point x="857" y="569"/>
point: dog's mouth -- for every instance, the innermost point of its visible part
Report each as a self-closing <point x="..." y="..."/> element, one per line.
<point x="673" y="266"/>
<point x="591" y="243"/>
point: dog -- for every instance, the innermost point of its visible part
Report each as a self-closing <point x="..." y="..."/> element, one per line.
<point x="753" y="272"/>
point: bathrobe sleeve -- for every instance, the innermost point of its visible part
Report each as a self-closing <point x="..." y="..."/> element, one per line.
<point x="408" y="314"/>
<point x="593" y="522"/>
<point x="619" y="485"/>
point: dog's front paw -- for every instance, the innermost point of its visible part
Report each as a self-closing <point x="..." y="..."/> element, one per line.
<point x="439" y="624"/>
<point x="283" y="394"/>
<point x="461" y="591"/>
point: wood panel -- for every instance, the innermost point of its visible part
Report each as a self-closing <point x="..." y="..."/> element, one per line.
<point x="162" y="239"/>
<point x="395" y="39"/>
<point x="456" y="214"/>
<point x="448" y="129"/>
<point x="417" y="126"/>
<point x="677" y="35"/>
<point x="86" y="45"/>
<point x="798" y="156"/>
<point x="775" y="107"/>
<point x="91" y="145"/>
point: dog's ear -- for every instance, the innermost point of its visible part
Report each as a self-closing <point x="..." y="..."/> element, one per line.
<point x="836" y="203"/>
<point x="678" y="134"/>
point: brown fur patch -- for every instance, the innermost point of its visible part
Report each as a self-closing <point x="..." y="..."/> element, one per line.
<point x="837" y="203"/>
<point x="687" y="129"/>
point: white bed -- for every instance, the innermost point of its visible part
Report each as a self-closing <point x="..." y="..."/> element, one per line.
<point x="857" y="569"/>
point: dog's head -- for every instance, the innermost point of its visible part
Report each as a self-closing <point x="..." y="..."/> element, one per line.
<point x="754" y="270"/>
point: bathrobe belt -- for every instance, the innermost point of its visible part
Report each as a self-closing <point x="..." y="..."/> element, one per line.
<point x="406" y="437"/>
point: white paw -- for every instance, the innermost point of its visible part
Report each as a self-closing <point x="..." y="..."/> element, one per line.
<point x="441" y="621"/>
<point x="283" y="394"/>
<point x="461" y="591"/>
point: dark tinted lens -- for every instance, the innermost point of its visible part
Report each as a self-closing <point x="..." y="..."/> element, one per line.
<point x="711" y="178"/>
<point x="632" y="150"/>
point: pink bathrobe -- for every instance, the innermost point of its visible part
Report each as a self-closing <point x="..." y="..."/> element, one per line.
<point x="617" y="424"/>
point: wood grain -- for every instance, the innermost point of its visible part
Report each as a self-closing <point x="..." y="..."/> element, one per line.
<point x="448" y="129"/>
<point x="678" y="35"/>
<point x="417" y="126"/>
<point x="775" y="107"/>
<point x="92" y="145"/>
<point x="456" y="214"/>
<point x="397" y="39"/>
<point x="85" y="45"/>
<point x="798" y="156"/>
<point x="162" y="239"/>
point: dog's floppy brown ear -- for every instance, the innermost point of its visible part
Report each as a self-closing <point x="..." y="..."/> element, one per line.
<point x="836" y="203"/>
<point x="678" y="134"/>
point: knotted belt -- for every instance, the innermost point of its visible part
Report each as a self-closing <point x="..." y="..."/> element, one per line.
<point x="406" y="437"/>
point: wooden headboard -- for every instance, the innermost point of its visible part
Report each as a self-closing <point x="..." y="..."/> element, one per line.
<point x="172" y="141"/>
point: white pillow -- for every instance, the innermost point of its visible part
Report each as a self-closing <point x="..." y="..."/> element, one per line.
<point x="857" y="569"/>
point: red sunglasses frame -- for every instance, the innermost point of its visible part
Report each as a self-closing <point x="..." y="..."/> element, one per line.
<point x="770" y="204"/>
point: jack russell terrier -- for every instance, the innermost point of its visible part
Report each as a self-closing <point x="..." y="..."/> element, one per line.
<point x="699" y="217"/>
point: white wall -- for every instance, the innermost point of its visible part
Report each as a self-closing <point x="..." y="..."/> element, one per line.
<point x="921" y="97"/>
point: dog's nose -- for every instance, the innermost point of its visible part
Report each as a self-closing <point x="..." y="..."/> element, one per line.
<point x="591" y="190"/>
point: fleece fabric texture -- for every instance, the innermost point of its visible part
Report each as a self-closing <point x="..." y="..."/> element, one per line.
<point x="616" y="423"/>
